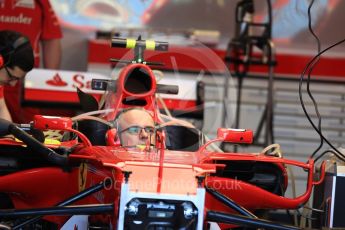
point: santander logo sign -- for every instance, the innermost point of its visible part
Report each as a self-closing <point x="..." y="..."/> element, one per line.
<point x="56" y="81"/>
<point x="70" y="81"/>
<point x="61" y="80"/>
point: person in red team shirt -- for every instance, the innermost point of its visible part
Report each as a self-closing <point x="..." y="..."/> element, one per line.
<point x="37" y="20"/>
<point x="16" y="59"/>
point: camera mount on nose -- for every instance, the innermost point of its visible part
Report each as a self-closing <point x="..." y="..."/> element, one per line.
<point x="139" y="47"/>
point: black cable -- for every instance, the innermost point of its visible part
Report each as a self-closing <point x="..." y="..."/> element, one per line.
<point x="328" y="151"/>
<point x="309" y="74"/>
<point x="311" y="66"/>
<point x="269" y="12"/>
<point x="301" y="99"/>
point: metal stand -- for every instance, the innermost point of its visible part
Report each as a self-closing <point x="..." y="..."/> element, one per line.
<point x="240" y="57"/>
<point x="267" y="115"/>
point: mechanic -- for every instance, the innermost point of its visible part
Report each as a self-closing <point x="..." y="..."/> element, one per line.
<point x="16" y="59"/>
<point x="135" y="127"/>
<point x="36" y="20"/>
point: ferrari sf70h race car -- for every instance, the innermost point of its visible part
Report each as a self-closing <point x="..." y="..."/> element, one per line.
<point x="87" y="180"/>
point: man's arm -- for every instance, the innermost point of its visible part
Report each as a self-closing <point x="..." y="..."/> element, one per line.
<point x="4" y="113"/>
<point x="50" y="37"/>
<point x="51" y="53"/>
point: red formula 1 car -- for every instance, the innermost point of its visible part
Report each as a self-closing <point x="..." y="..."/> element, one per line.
<point x="88" y="181"/>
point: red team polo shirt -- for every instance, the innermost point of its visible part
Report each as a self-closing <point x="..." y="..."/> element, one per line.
<point x="35" y="19"/>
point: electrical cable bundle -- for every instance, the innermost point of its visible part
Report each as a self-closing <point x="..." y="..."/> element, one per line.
<point x="309" y="68"/>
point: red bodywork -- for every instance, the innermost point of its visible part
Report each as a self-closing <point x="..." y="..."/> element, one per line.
<point x="157" y="170"/>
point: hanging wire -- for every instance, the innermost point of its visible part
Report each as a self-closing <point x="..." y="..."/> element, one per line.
<point x="329" y="151"/>
<point x="337" y="152"/>
<point x="309" y="74"/>
<point x="309" y="67"/>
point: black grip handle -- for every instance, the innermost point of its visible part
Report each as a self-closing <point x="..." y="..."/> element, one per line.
<point x="167" y="89"/>
<point x="132" y="43"/>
